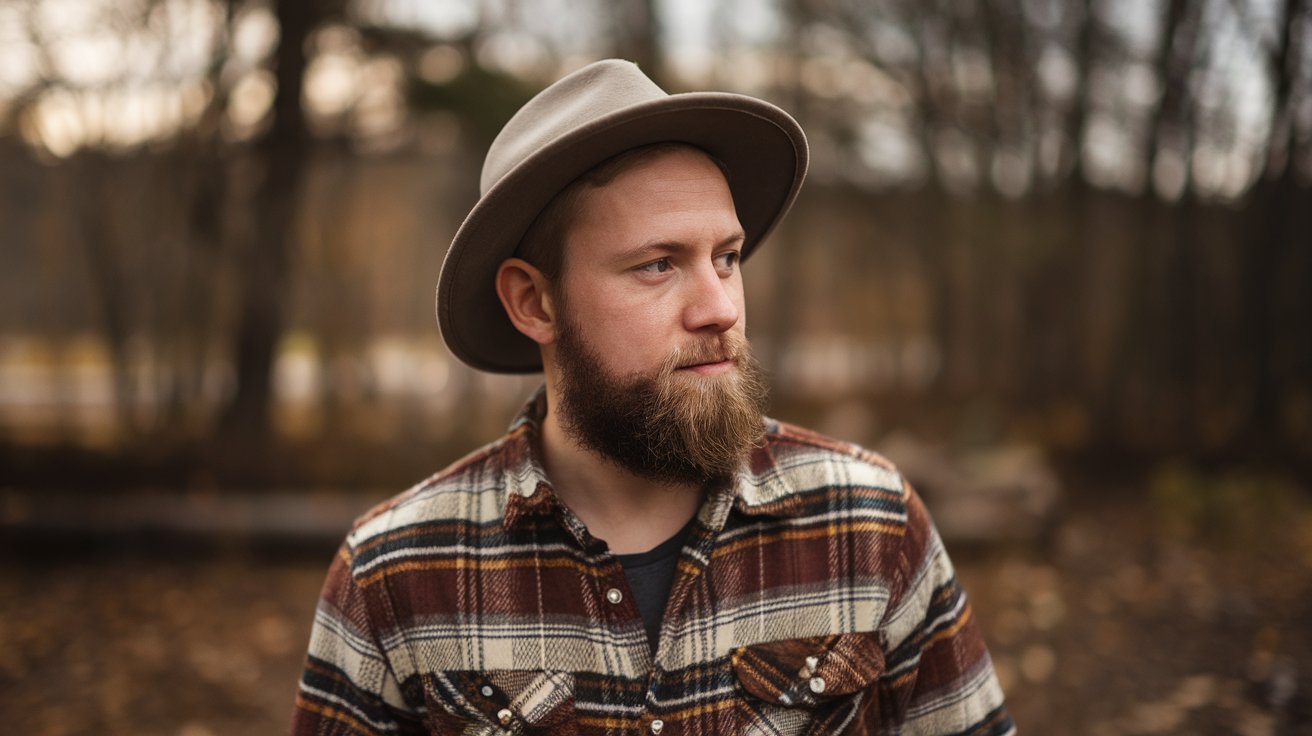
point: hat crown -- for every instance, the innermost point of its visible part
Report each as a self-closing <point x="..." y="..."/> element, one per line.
<point x="585" y="95"/>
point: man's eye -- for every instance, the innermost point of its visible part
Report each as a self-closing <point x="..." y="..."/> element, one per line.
<point x="660" y="266"/>
<point x="727" y="261"/>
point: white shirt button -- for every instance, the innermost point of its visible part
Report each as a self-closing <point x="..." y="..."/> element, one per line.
<point x="505" y="716"/>
<point x="487" y="691"/>
<point x="657" y="726"/>
<point x="614" y="596"/>
<point x="817" y="685"/>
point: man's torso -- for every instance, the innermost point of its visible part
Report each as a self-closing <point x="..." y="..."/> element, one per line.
<point x="799" y="605"/>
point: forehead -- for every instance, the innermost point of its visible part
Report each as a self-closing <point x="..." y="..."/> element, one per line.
<point x="679" y="194"/>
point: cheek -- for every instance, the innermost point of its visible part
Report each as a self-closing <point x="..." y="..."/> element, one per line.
<point x="631" y="337"/>
<point x="633" y="340"/>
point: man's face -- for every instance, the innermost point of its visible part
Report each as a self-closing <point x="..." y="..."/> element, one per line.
<point x="651" y="357"/>
<point x="651" y="263"/>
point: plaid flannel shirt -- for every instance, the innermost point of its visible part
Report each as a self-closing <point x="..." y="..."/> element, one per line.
<point x="813" y="596"/>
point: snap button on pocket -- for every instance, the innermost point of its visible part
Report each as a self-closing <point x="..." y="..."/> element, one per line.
<point x="541" y="701"/>
<point x="804" y="672"/>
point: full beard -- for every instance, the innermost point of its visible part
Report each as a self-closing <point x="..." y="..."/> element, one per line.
<point x="671" y="426"/>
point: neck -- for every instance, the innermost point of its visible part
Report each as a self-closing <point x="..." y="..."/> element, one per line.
<point x="630" y="512"/>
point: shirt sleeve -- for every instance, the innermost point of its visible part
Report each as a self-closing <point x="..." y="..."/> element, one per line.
<point x="348" y="685"/>
<point x="938" y="677"/>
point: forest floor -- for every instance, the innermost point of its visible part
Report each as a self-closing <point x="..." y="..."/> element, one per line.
<point x="1182" y="605"/>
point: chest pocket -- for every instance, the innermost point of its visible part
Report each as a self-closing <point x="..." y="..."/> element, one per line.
<point x="811" y="686"/>
<point x="540" y="703"/>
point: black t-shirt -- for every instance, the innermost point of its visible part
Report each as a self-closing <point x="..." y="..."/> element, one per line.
<point x="650" y="575"/>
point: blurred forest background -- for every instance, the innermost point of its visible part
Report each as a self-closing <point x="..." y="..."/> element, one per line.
<point x="1053" y="257"/>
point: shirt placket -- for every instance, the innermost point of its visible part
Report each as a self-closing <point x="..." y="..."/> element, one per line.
<point x="623" y="612"/>
<point x="616" y="607"/>
<point x="658" y="719"/>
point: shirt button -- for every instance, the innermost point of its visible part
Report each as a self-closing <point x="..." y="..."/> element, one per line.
<point x="817" y="685"/>
<point x="487" y="691"/>
<point x="505" y="716"/>
<point x="657" y="726"/>
<point x="615" y="596"/>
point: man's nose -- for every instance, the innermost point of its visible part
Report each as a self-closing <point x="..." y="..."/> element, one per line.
<point x="711" y="304"/>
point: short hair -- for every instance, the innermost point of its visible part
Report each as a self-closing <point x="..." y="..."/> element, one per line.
<point x="543" y="244"/>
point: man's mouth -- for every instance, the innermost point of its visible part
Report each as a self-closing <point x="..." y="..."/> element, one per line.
<point x="710" y="367"/>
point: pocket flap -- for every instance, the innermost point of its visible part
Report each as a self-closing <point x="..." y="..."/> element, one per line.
<point x="512" y="699"/>
<point x="809" y="671"/>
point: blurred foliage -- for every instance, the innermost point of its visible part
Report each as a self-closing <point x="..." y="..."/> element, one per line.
<point x="1231" y="509"/>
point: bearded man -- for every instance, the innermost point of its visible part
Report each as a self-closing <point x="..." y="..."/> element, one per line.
<point x="644" y="552"/>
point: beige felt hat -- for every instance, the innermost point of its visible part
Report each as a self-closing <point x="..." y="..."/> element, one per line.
<point x="601" y="110"/>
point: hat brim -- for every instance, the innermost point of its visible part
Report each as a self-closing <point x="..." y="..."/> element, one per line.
<point x="762" y="147"/>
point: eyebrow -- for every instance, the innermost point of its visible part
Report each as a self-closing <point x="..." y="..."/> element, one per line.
<point x="670" y="246"/>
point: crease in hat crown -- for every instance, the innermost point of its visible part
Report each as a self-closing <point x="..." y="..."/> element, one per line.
<point x="612" y="84"/>
<point x="584" y="118"/>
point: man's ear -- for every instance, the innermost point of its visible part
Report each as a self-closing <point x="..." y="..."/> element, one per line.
<point x="525" y="295"/>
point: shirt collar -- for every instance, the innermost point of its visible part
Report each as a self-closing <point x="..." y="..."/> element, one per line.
<point x="762" y="487"/>
<point x="527" y="490"/>
<point x="759" y="488"/>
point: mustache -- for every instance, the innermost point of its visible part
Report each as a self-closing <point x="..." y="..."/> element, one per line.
<point x="725" y="346"/>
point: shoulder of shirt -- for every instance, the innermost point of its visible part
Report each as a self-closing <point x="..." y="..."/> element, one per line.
<point x="793" y="438"/>
<point x="796" y="461"/>
<point x="471" y="489"/>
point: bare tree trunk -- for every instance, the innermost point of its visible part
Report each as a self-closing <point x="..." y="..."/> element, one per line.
<point x="789" y="241"/>
<point x="265" y="263"/>
<point x="1277" y="199"/>
<point x="1154" y="335"/>
<point x="1171" y="310"/>
<point x="638" y="37"/>
<point x="86" y="178"/>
